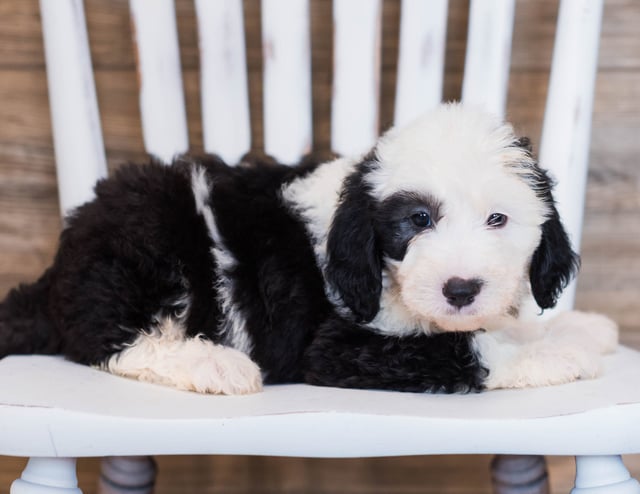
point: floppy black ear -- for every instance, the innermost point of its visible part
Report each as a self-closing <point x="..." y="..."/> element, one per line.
<point x="554" y="263"/>
<point x="354" y="265"/>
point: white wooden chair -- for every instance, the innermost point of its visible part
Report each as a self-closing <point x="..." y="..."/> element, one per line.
<point x="53" y="411"/>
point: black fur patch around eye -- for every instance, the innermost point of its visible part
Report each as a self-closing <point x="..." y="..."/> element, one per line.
<point x="393" y="224"/>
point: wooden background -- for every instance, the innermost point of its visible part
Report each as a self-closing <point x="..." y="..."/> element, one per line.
<point x="29" y="218"/>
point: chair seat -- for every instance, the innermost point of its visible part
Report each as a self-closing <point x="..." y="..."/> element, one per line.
<point x="57" y="408"/>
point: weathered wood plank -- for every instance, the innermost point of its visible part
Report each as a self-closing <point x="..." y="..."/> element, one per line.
<point x="420" y="77"/>
<point x="356" y="76"/>
<point x="20" y="35"/>
<point x="286" y="44"/>
<point x="162" y="107"/>
<point x="226" y="122"/>
<point x="487" y="62"/>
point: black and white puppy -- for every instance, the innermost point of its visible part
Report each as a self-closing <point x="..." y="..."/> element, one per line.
<point x="420" y="267"/>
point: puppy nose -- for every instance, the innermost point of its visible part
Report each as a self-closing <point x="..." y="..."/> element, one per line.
<point x="459" y="292"/>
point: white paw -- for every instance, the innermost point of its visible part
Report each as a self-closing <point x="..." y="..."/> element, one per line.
<point x="595" y="332"/>
<point x="192" y="364"/>
<point x="544" y="362"/>
<point x="226" y="371"/>
<point x="546" y="365"/>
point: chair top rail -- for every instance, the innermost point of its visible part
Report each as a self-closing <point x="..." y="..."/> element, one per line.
<point x="286" y="45"/>
<point x="226" y="122"/>
<point x="162" y="107"/>
<point x="356" y="75"/>
<point x="423" y="30"/>
<point x="486" y="68"/>
<point x="78" y="144"/>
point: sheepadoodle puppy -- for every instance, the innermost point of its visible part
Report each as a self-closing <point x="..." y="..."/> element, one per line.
<point x="422" y="266"/>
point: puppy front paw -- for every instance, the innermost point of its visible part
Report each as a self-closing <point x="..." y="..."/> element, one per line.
<point x="545" y="367"/>
<point x="545" y="362"/>
<point x="194" y="364"/>
<point x="226" y="371"/>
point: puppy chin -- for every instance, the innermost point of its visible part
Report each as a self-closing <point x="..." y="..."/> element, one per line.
<point x="459" y="323"/>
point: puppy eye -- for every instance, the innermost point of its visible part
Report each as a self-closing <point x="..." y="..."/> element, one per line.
<point x="421" y="219"/>
<point x="497" y="220"/>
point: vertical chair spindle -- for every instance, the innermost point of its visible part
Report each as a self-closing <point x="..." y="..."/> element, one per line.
<point x="486" y="67"/>
<point x="564" y="146"/>
<point x="286" y="44"/>
<point x="77" y="136"/>
<point x="47" y="476"/>
<point x="127" y="475"/>
<point x="356" y="75"/>
<point x="162" y="108"/>
<point x="423" y="29"/>
<point x="226" y="122"/>
<point x="603" y="475"/>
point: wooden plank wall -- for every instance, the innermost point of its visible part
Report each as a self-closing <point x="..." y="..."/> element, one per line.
<point x="29" y="221"/>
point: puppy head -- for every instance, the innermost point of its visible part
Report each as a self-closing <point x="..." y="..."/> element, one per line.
<point x="452" y="219"/>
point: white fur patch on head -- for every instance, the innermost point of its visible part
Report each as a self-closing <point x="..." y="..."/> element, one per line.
<point x="165" y="356"/>
<point x="453" y="142"/>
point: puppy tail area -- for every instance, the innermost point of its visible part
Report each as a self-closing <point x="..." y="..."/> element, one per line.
<point x="167" y="357"/>
<point x="25" y="325"/>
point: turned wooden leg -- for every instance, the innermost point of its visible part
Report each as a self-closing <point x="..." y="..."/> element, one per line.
<point x="513" y="474"/>
<point x="603" y="475"/>
<point x="127" y="475"/>
<point x="48" y="476"/>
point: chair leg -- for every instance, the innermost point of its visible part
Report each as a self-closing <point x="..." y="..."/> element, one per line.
<point x="48" y="476"/>
<point x="513" y="474"/>
<point x="603" y="475"/>
<point x="127" y="474"/>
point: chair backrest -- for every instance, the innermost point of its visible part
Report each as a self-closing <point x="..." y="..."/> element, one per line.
<point x="286" y="41"/>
